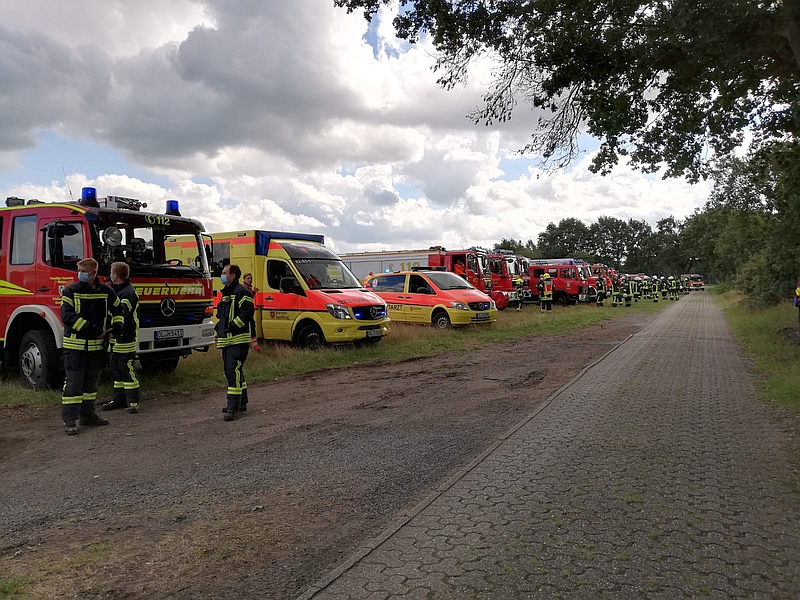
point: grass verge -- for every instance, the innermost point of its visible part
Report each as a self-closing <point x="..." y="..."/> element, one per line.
<point x="203" y="371"/>
<point x="771" y="336"/>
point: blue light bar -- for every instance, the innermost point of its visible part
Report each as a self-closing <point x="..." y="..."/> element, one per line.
<point x="89" y="193"/>
<point x="173" y="208"/>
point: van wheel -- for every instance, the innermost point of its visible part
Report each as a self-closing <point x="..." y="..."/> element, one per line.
<point x="441" y="320"/>
<point x="159" y="364"/>
<point x="311" y="338"/>
<point x="38" y="360"/>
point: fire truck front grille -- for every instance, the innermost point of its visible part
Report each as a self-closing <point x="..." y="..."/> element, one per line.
<point x="479" y="305"/>
<point x="190" y="313"/>
<point x="369" y="313"/>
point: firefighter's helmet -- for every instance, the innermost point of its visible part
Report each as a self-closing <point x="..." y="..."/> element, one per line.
<point x="670" y="278"/>
<point x="637" y="278"/>
<point x="546" y="276"/>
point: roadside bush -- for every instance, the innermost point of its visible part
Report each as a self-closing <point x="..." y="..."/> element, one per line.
<point x="762" y="283"/>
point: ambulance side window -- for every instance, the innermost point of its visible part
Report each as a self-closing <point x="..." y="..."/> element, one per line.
<point x="276" y="270"/>
<point x="22" y="250"/>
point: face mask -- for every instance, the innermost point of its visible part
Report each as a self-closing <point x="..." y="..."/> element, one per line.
<point x="83" y="277"/>
<point x="224" y="279"/>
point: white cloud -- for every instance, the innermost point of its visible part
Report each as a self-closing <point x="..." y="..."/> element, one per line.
<point x="278" y="115"/>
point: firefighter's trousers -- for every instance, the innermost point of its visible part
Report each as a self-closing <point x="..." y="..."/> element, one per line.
<point x="546" y="305"/>
<point x="616" y="299"/>
<point x="600" y="297"/>
<point x="233" y="358"/>
<point x="83" y="370"/>
<point x="126" y="385"/>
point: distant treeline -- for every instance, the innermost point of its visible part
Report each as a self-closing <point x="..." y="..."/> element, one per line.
<point x="747" y="236"/>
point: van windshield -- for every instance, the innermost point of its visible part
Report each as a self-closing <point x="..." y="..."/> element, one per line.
<point x="326" y="273"/>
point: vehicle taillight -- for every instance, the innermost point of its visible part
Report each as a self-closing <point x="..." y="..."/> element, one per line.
<point x="209" y="310"/>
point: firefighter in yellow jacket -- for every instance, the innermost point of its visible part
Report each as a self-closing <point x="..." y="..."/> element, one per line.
<point x="124" y="345"/>
<point x="86" y="310"/>
<point x="234" y="312"/>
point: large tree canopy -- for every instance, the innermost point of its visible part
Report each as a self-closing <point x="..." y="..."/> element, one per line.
<point x="673" y="82"/>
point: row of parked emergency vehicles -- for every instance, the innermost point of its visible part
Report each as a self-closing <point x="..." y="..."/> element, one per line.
<point x="304" y="292"/>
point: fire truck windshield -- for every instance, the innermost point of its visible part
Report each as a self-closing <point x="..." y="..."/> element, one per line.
<point x="448" y="281"/>
<point x="142" y="244"/>
<point x="326" y="273"/>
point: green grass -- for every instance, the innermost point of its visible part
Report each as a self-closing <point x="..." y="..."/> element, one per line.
<point x="776" y="358"/>
<point x="13" y="589"/>
<point x="203" y="371"/>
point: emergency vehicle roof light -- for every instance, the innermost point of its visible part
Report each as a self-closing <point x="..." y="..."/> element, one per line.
<point x="14" y="201"/>
<point x="173" y="208"/>
<point x="89" y="197"/>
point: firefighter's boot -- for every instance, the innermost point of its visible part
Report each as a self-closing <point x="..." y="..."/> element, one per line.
<point x="70" y="428"/>
<point x="230" y="415"/>
<point x="89" y="417"/>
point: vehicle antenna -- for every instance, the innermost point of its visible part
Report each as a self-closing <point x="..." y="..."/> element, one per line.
<point x="67" y="182"/>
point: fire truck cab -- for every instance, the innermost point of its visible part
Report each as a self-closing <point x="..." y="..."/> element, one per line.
<point x="40" y="246"/>
<point x="569" y="285"/>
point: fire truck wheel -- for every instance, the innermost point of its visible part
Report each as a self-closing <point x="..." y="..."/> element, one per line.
<point x="38" y="360"/>
<point x="311" y="338"/>
<point x="561" y="300"/>
<point x="441" y="320"/>
<point x="153" y="364"/>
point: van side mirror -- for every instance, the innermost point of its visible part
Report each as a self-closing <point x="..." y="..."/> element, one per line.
<point x="289" y="285"/>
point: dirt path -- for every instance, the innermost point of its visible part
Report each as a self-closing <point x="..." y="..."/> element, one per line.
<point x="176" y="503"/>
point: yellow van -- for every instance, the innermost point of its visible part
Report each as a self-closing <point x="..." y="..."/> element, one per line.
<point x="305" y="294"/>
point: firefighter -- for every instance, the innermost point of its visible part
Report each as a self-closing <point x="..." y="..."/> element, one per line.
<point x="654" y="286"/>
<point x="600" y="286"/>
<point x="627" y="291"/>
<point x="636" y="288"/>
<point x="797" y="300"/>
<point x="616" y="291"/>
<point x="686" y="287"/>
<point x="646" y="287"/>
<point x="85" y="309"/>
<point x="519" y="287"/>
<point x="459" y="269"/>
<point x="367" y="278"/>
<point x="673" y="288"/>
<point x="664" y="288"/>
<point x="234" y="312"/>
<point x="124" y="345"/>
<point x="545" y="287"/>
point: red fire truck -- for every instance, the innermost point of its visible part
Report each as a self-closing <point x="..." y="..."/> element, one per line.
<point x="40" y="246"/>
<point x="475" y="261"/>
<point x="569" y="284"/>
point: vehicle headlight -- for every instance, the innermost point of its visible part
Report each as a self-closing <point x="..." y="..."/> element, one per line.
<point x="458" y="305"/>
<point x="112" y="236"/>
<point x="492" y="304"/>
<point x="338" y="312"/>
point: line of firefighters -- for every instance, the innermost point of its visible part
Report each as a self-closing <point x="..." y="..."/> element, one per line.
<point x="626" y="290"/>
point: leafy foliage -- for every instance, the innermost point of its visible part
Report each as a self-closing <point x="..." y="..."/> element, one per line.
<point x="672" y="82"/>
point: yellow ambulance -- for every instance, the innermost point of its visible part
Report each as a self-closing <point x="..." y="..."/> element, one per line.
<point x="305" y="294"/>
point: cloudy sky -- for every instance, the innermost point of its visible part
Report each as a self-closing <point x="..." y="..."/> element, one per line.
<point x="281" y="115"/>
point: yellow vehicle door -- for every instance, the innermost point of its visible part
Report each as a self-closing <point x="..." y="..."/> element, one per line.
<point x="281" y="306"/>
<point x="420" y="297"/>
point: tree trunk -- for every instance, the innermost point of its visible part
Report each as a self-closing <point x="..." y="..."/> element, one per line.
<point x="793" y="27"/>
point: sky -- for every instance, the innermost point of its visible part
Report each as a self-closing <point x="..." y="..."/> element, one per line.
<point x="289" y="116"/>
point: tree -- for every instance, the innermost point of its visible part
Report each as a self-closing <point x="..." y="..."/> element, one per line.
<point x="570" y="238"/>
<point x="659" y="82"/>
<point x="608" y="240"/>
<point x="517" y="247"/>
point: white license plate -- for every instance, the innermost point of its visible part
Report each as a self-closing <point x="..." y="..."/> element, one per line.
<point x="374" y="333"/>
<point x="482" y="316"/>
<point x="168" y="334"/>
